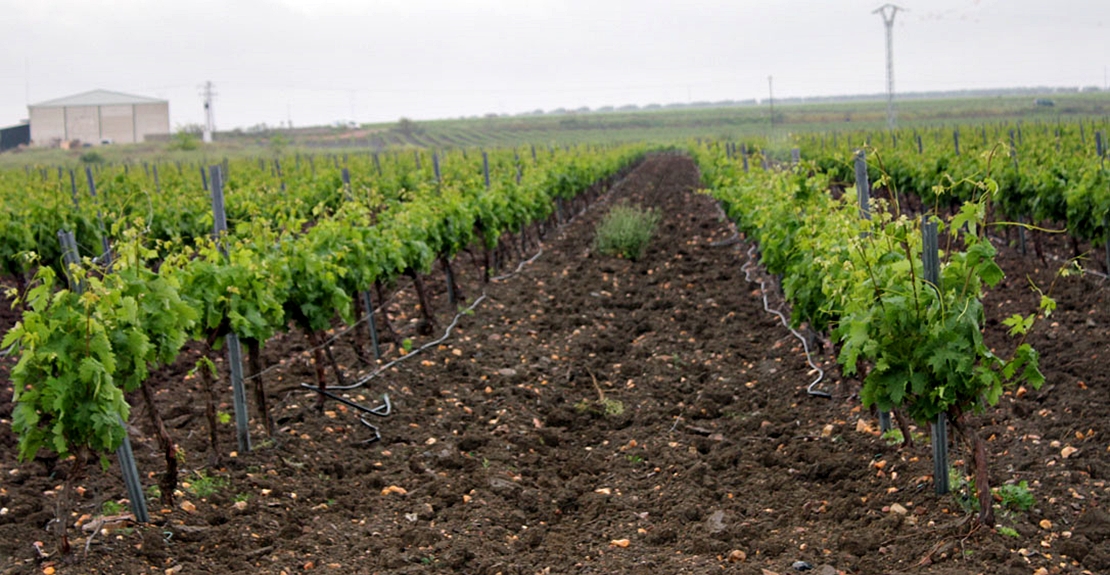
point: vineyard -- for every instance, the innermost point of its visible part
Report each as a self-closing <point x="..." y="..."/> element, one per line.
<point x="442" y="370"/>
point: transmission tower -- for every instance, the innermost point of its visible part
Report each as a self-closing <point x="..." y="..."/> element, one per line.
<point x="771" y="99"/>
<point x="209" y="116"/>
<point x="887" y="11"/>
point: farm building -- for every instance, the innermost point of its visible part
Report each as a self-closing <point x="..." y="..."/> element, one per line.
<point x="15" y="136"/>
<point x="98" y="117"/>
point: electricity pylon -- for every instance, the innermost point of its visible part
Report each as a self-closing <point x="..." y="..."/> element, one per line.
<point x="209" y="116"/>
<point x="887" y="11"/>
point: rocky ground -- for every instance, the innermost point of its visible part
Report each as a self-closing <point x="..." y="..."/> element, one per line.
<point x="598" y="415"/>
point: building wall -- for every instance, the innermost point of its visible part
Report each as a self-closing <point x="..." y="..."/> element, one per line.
<point x="117" y="123"/>
<point x="83" y="123"/>
<point x="151" y="119"/>
<point x="48" y="125"/>
<point x="123" y="123"/>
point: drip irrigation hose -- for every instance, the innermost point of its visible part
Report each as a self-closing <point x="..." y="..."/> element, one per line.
<point x="732" y="240"/>
<point x="372" y="427"/>
<point x="746" y="268"/>
<point x="381" y="411"/>
<point x="386" y="408"/>
<point x="366" y="378"/>
<point x="326" y="342"/>
<point x="519" y="267"/>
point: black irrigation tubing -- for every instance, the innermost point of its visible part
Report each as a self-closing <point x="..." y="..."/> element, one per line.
<point x="746" y="268"/>
<point x="734" y="239"/>
<point x="366" y="378"/>
<point x="519" y="267"/>
<point x="383" y="410"/>
<point x="386" y="408"/>
<point x="325" y="343"/>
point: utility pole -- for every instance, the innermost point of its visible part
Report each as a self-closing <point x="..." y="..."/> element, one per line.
<point x="354" y="99"/>
<point x="209" y="118"/>
<point x="887" y="11"/>
<point x="771" y="99"/>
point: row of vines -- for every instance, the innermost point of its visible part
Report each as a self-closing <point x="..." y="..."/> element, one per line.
<point x="1051" y="176"/>
<point x="857" y="273"/>
<point x="300" y="245"/>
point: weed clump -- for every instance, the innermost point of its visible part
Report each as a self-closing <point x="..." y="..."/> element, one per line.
<point x="204" y="485"/>
<point x="625" y="231"/>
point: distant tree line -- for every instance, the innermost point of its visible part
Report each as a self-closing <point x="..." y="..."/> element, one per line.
<point x="976" y="93"/>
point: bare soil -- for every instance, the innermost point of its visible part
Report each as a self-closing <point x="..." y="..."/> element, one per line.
<point x="598" y="415"/>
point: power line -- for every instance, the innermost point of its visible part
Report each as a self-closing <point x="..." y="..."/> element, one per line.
<point x="771" y="98"/>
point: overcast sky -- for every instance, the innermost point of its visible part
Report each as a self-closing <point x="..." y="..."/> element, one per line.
<point x="320" y="61"/>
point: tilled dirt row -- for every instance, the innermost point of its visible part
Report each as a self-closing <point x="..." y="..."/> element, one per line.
<point x="596" y="415"/>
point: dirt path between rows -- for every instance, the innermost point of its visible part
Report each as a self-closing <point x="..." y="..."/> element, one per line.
<point x="596" y="415"/>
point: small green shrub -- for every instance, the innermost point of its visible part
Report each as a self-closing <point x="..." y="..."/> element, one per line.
<point x="625" y="231"/>
<point x="184" y="141"/>
<point x="92" y="157"/>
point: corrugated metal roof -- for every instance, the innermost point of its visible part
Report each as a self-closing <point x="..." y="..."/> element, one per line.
<point x="97" y="98"/>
